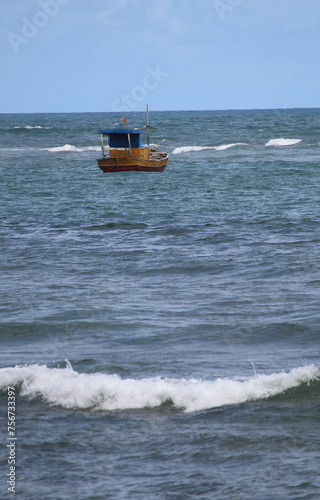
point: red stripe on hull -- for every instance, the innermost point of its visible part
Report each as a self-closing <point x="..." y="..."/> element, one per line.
<point x="132" y="168"/>
<point x="127" y="165"/>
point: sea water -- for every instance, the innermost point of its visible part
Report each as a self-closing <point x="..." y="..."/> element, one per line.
<point x="160" y="331"/>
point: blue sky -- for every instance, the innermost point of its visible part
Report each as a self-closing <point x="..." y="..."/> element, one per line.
<point x="112" y="55"/>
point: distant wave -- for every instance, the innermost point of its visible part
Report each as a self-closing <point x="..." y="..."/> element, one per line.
<point x="69" y="147"/>
<point x="97" y="391"/>
<point x="66" y="148"/>
<point x="283" y="142"/>
<point x="30" y="127"/>
<point x="188" y="149"/>
<point x="227" y="146"/>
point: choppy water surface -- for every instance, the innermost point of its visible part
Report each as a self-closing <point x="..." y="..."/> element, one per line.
<point x="161" y="331"/>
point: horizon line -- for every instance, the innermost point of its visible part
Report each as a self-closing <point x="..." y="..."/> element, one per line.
<point x="151" y="111"/>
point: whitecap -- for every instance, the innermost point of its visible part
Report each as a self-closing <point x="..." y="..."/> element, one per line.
<point x="70" y="148"/>
<point x="188" y="149"/>
<point x="283" y="142"/>
<point x="98" y="391"/>
<point x="227" y="146"/>
<point x="30" y="127"/>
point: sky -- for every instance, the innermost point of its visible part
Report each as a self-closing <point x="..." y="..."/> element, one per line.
<point x="119" y="55"/>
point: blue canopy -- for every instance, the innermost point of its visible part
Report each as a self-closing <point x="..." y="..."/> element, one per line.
<point x="118" y="138"/>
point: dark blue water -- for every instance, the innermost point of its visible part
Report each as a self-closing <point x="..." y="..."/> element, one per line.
<point x="161" y="331"/>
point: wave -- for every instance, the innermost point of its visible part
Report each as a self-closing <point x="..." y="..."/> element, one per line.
<point x="283" y="142"/>
<point x="30" y="127"/>
<point x="70" y="148"/>
<point x="102" y="392"/>
<point x="188" y="149"/>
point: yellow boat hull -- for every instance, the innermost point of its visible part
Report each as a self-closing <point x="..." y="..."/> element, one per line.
<point x="121" y="163"/>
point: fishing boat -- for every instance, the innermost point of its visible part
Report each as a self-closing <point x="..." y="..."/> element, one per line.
<point x="125" y="151"/>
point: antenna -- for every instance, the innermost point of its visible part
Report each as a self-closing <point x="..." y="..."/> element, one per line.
<point x="148" y="135"/>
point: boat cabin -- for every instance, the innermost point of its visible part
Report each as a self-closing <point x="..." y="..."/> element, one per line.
<point x="124" y="143"/>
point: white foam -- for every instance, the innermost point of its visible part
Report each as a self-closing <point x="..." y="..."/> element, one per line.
<point x="188" y="149"/>
<point x="29" y="127"/>
<point x="98" y="391"/>
<point x="69" y="147"/>
<point x="283" y="142"/>
<point x="232" y="145"/>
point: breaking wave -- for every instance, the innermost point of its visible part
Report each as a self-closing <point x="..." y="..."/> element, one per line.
<point x="188" y="149"/>
<point x="283" y="142"/>
<point x="98" y="391"/>
<point x="70" y="148"/>
<point x="30" y="127"/>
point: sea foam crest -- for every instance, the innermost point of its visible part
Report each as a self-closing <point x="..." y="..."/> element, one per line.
<point x="283" y="142"/>
<point x="98" y="391"/>
<point x="30" y="127"/>
<point x="188" y="149"/>
<point x="69" y="147"/>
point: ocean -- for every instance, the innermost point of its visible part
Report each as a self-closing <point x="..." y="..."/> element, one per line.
<point x="160" y="331"/>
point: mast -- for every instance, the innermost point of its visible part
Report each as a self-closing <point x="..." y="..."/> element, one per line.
<point x="147" y="127"/>
<point x="148" y="135"/>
